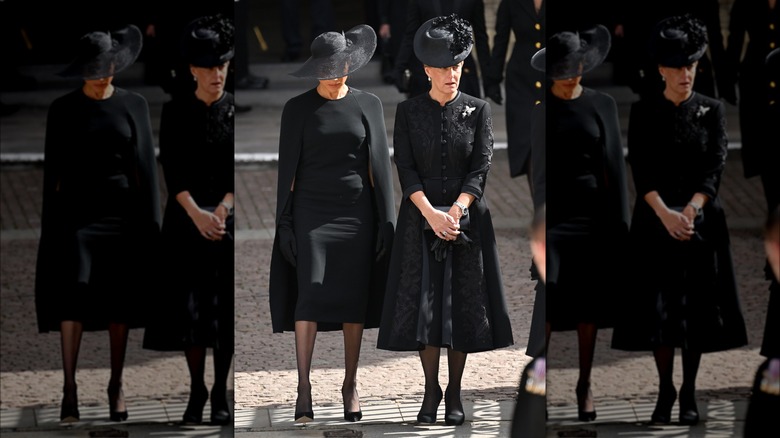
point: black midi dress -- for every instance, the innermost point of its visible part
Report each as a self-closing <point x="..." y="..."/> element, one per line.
<point x="196" y="294"/>
<point x="457" y="301"/>
<point x="333" y="217"/>
<point x="335" y="165"/>
<point x="101" y="212"/>
<point x="587" y="210"/>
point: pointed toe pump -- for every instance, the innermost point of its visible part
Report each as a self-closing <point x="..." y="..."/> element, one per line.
<point x="429" y="417"/>
<point x="114" y="395"/>
<point x="453" y="408"/>
<point x="689" y="412"/>
<point x="584" y="395"/>
<point x="304" y="417"/>
<point x="663" y="407"/>
<point x="194" y="412"/>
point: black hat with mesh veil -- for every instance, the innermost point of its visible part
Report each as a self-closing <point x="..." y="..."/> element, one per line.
<point x="101" y="54"/>
<point x="570" y="54"/>
<point x="338" y="54"/>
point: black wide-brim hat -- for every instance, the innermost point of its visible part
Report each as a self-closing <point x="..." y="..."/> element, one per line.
<point x="338" y="54"/>
<point x="101" y="54"/>
<point x="678" y="41"/>
<point x="443" y="41"/>
<point x="208" y="41"/>
<point x="570" y="54"/>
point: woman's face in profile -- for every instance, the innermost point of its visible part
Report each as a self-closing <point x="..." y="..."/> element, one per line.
<point x="679" y="79"/>
<point x="445" y="80"/>
<point x="210" y="79"/>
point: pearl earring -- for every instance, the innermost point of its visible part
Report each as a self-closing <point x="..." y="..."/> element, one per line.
<point x="429" y="78"/>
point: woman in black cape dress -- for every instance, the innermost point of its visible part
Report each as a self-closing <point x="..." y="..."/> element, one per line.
<point x="101" y="211"/>
<point x="335" y="212"/>
<point x="586" y="200"/>
<point x="686" y="292"/>
<point x="444" y="288"/>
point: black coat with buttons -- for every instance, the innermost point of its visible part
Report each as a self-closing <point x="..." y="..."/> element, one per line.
<point x="444" y="151"/>
<point x="685" y="292"/>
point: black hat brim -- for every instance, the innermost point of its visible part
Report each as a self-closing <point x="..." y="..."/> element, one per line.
<point x="598" y="42"/>
<point x="129" y="42"/>
<point x="360" y="47"/>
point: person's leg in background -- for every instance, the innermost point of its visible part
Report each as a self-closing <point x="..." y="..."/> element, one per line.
<point x="244" y="79"/>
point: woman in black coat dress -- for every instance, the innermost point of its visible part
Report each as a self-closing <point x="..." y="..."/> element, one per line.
<point x="760" y="21"/>
<point x="444" y="287"/>
<point x="418" y="11"/>
<point x="524" y="84"/>
<point x="335" y="211"/>
<point x="686" y="294"/>
<point x="587" y="198"/>
<point x="101" y="211"/>
<point x="196" y="153"/>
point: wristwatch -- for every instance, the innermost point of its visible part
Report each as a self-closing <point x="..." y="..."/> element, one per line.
<point x="696" y="207"/>
<point x="463" y="209"/>
<point x="228" y="207"/>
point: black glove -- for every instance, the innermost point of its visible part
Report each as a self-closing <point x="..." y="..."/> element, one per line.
<point x="439" y="247"/>
<point x="287" y="243"/>
<point x="402" y="78"/>
<point x="493" y="91"/>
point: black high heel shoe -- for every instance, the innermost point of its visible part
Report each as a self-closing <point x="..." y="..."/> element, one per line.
<point x="304" y="417"/>
<point x="114" y="393"/>
<point x="583" y="393"/>
<point x="453" y="410"/>
<point x="351" y="416"/>
<point x="430" y="417"/>
<point x="69" y="411"/>
<point x="220" y="411"/>
<point x="663" y="407"/>
<point x="194" y="412"/>
<point x="689" y="412"/>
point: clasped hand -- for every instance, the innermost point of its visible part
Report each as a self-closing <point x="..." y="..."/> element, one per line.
<point x="210" y="225"/>
<point x="444" y="225"/>
<point x="679" y="225"/>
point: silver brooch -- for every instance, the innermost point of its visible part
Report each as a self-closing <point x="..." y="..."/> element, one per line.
<point x="702" y="110"/>
<point x="467" y="112"/>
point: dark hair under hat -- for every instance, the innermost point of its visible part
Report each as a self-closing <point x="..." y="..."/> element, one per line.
<point x="101" y="54"/>
<point x="208" y="41"/>
<point x="338" y="54"/>
<point x="678" y="41"/>
<point x="443" y="41"/>
<point x="570" y="54"/>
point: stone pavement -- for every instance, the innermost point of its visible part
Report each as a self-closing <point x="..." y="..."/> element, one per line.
<point x="390" y="384"/>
